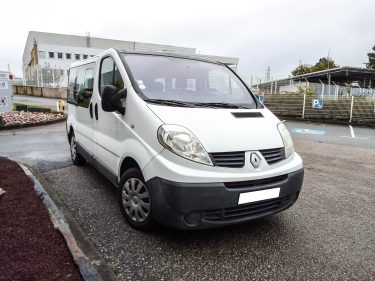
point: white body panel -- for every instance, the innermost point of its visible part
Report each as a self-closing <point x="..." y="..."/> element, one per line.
<point x="115" y="137"/>
<point x="168" y="165"/>
<point x="218" y="130"/>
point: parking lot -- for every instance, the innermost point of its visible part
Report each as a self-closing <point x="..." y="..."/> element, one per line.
<point x="327" y="235"/>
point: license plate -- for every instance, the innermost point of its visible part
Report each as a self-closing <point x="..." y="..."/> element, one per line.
<point x="259" y="195"/>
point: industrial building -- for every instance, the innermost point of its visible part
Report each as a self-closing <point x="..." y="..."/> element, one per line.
<point x="48" y="56"/>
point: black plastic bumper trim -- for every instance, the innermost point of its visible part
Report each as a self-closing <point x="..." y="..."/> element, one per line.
<point x="172" y="201"/>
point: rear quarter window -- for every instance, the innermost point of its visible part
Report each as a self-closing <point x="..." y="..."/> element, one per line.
<point x="71" y="84"/>
<point x="80" y="84"/>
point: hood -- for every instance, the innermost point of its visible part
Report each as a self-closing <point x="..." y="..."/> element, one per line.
<point x="220" y="131"/>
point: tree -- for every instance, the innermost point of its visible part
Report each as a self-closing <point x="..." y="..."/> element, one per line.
<point x="371" y="59"/>
<point x="322" y="64"/>
<point x="302" y="69"/>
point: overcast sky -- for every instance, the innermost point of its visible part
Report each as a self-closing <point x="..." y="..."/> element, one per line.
<point x="276" y="33"/>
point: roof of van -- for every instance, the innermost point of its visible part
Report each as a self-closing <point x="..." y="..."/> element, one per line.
<point x="204" y="58"/>
<point x="85" y="61"/>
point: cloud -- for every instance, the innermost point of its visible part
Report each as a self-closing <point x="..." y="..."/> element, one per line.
<point x="261" y="33"/>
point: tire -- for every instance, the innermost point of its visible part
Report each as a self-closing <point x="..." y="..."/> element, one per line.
<point x="135" y="201"/>
<point x="77" y="158"/>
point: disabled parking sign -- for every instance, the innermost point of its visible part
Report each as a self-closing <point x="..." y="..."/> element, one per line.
<point x="317" y="103"/>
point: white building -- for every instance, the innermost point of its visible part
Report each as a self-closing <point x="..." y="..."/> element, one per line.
<point x="48" y="56"/>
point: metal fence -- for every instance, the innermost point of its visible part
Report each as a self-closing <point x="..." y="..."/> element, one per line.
<point x="305" y="86"/>
<point x="44" y="77"/>
<point x="341" y="109"/>
<point x="37" y="75"/>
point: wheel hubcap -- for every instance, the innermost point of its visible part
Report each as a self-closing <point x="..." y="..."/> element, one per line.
<point x="136" y="200"/>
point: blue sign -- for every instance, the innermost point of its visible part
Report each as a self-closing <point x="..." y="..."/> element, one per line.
<point x="261" y="99"/>
<point x="308" y="131"/>
<point x="317" y="103"/>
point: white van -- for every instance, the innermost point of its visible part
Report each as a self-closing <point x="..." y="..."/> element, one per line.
<point x="184" y="140"/>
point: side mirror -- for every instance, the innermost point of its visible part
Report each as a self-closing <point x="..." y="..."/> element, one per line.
<point x="112" y="99"/>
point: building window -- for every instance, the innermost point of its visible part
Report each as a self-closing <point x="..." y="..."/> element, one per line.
<point x="51" y="55"/>
<point x="59" y="55"/>
<point x="77" y="56"/>
<point x="68" y="56"/>
<point x="42" y="55"/>
<point x="85" y="57"/>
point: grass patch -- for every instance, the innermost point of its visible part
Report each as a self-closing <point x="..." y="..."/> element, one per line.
<point x="32" y="108"/>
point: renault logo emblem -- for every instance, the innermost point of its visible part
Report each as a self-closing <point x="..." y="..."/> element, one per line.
<point x="254" y="160"/>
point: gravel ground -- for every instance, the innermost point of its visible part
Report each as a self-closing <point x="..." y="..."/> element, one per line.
<point x="327" y="235"/>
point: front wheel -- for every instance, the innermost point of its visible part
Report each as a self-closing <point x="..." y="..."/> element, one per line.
<point x="77" y="158"/>
<point x="135" y="201"/>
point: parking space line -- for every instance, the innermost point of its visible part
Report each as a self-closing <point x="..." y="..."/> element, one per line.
<point x="352" y="134"/>
<point x="351" y="131"/>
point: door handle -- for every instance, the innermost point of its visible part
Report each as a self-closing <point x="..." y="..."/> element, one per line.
<point x="96" y="111"/>
<point x="90" y="109"/>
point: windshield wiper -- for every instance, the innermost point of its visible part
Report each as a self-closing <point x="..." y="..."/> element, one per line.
<point x="194" y="104"/>
<point x="219" y="105"/>
<point x="170" y="102"/>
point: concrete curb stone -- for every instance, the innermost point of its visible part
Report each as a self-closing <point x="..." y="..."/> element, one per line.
<point x="91" y="265"/>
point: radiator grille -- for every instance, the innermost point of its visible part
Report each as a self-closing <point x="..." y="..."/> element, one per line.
<point x="237" y="159"/>
<point x="258" y="182"/>
<point x="273" y="155"/>
<point x="249" y="210"/>
<point x="228" y="159"/>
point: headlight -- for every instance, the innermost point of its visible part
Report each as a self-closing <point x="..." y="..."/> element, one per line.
<point x="287" y="139"/>
<point x="182" y="142"/>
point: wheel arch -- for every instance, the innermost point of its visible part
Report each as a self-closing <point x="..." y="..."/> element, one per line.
<point x="70" y="133"/>
<point x="126" y="164"/>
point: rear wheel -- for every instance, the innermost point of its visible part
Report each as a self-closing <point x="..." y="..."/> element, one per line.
<point x="135" y="201"/>
<point x="77" y="158"/>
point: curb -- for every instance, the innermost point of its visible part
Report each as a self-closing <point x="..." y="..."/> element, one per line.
<point x="21" y="126"/>
<point x="85" y="255"/>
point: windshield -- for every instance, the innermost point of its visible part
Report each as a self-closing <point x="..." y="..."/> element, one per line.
<point x="185" y="82"/>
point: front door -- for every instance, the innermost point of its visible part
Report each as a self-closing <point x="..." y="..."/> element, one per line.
<point x="109" y="128"/>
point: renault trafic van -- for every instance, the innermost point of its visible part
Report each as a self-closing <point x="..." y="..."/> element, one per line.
<point x="184" y="140"/>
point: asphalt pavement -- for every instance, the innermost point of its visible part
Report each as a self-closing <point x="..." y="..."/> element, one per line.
<point x="45" y="147"/>
<point x="346" y="135"/>
<point x="327" y="235"/>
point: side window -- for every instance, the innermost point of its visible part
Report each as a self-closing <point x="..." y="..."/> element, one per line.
<point x="117" y="81"/>
<point x="79" y="85"/>
<point x="86" y="88"/>
<point x="71" y="84"/>
<point x="110" y="75"/>
<point x="89" y="79"/>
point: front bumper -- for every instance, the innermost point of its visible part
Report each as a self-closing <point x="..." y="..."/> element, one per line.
<point x="207" y="205"/>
